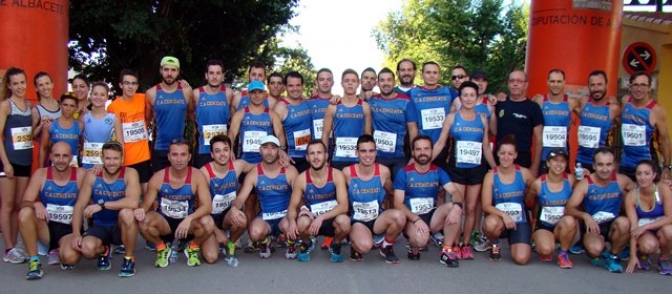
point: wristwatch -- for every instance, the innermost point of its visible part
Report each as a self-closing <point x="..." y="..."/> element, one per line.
<point x="101" y="202"/>
<point x="668" y="166"/>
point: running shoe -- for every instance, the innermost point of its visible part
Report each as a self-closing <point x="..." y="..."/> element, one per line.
<point x="251" y="248"/>
<point x="34" y="270"/>
<point x="458" y="251"/>
<point x="563" y="260"/>
<point x="104" y="260"/>
<point x="150" y="246"/>
<point x="437" y="239"/>
<point x="577" y="249"/>
<point x="644" y="262"/>
<point x="162" y="256"/>
<point x="127" y="267"/>
<point x="597" y="261"/>
<point x="120" y="250"/>
<point x="482" y="245"/>
<point x="265" y="249"/>
<point x="546" y="258"/>
<point x="624" y="255"/>
<point x="495" y="254"/>
<point x="355" y="256"/>
<point x="612" y="264"/>
<point x="664" y="267"/>
<point x="67" y="267"/>
<point x="53" y="258"/>
<point x="467" y="252"/>
<point x="304" y="253"/>
<point x="336" y="255"/>
<point x="388" y="254"/>
<point x="192" y="256"/>
<point x="326" y="243"/>
<point x="449" y="258"/>
<point x="378" y="240"/>
<point x="413" y="253"/>
<point x="291" y="251"/>
<point x="15" y="256"/>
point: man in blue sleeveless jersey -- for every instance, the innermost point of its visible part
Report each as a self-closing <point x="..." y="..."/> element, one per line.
<point x="171" y="106"/>
<point x="108" y="198"/>
<point x="642" y="120"/>
<point x="49" y="220"/>
<point x="211" y="103"/>
<point x="323" y="190"/>
<point x="296" y="119"/>
<point x="597" y="202"/>
<point x="183" y="200"/>
<point x="272" y="183"/>
<point x="416" y="190"/>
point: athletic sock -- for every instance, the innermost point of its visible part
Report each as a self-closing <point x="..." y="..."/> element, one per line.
<point x="387" y="243"/>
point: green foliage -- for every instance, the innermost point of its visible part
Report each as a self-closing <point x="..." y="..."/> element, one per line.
<point x="472" y="33"/>
<point x="109" y="35"/>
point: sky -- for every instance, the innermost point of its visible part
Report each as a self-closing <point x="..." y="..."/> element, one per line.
<point x="337" y="34"/>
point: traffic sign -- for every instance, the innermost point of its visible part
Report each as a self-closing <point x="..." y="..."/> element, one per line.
<point x="639" y="56"/>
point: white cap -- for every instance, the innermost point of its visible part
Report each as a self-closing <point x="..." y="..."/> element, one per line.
<point x="270" y="139"/>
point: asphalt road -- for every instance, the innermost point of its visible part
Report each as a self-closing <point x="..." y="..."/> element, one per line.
<point x="373" y="275"/>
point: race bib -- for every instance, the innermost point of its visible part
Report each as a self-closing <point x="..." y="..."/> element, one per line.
<point x="323" y="207"/>
<point x="346" y="146"/>
<point x="365" y="211"/>
<point x="552" y="214"/>
<point x="514" y="210"/>
<point x="301" y="139"/>
<point x="603" y="217"/>
<point x="253" y="140"/>
<point x="174" y="209"/>
<point x="92" y="153"/>
<point x="554" y="136"/>
<point x="318" y="126"/>
<point x="469" y="152"/>
<point x="134" y="131"/>
<point x="633" y="135"/>
<point x="22" y="138"/>
<point x="60" y="213"/>
<point x="589" y="137"/>
<point x="209" y="131"/>
<point x="222" y="202"/>
<point x="646" y="221"/>
<point x="273" y="215"/>
<point x="421" y="205"/>
<point x="432" y="118"/>
<point x="385" y="141"/>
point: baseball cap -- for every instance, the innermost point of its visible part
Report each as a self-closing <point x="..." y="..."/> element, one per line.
<point x="479" y="74"/>
<point x="255" y="85"/>
<point x="270" y="139"/>
<point x="170" y="60"/>
<point x="554" y="152"/>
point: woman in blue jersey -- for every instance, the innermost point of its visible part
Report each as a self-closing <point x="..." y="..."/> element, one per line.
<point x="100" y="126"/>
<point x="66" y="128"/>
<point x="503" y="202"/>
<point x="551" y="192"/>
<point x="649" y="209"/>
<point x="470" y="155"/>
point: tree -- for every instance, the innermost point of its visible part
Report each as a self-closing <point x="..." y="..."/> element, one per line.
<point x="474" y="34"/>
<point x="109" y="35"/>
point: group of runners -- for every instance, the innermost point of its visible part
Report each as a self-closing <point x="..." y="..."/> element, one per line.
<point x="359" y="168"/>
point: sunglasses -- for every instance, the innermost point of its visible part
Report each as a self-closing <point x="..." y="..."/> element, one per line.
<point x="457" y="77"/>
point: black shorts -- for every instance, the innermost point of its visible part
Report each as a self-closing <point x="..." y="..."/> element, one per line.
<point x="427" y="218"/>
<point x="159" y="160"/>
<point x="544" y="226"/>
<point x="368" y="224"/>
<point x="605" y="227"/>
<point x="219" y="218"/>
<point x="56" y="232"/>
<point x="21" y="171"/>
<point x="173" y="223"/>
<point x="327" y="228"/>
<point x="144" y="171"/>
<point x="109" y="235"/>
<point x="394" y="164"/>
<point x="199" y="160"/>
<point x="521" y="234"/>
<point x="301" y="164"/>
<point x="468" y="176"/>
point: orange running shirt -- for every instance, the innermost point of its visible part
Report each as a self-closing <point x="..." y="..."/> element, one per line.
<point x="134" y="127"/>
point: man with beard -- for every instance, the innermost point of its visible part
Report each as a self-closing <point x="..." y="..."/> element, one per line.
<point x="416" y="190"/>
<point x="598" y="114"/>
<point x="184" y="206"/>
<point x="272" y="183"/>
<point x="368" y="83"/>
<point x="49" y="220"/>
<point x="557" y="108"/>
<point x="522" y="118"/>
<point x="212" y="110"/>
<point x="296" y="119"/>
<point x="406" y="70"/>
<point x="349" y="119"/>
<point x="641" y="118"/>
<point x="323" y="190"/>
<point x="222" y="173"/>
<point x="171" y="105"/>
<point x="108" y="198"/>
<point x="597" y="202"/>
<point x="257" y="72"/>
<point x="393" y="115"/>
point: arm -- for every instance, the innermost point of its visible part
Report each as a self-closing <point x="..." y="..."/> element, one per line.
<point x="631" y="214"/>
<point x="83" y="199"/>
<point x="191" y="102"/>
<point x="486" y="194"/>
<point x="538" y="147"/>
<point x="443" y="137"/>
<point x="44" y="148"/>
<point x="234" y="128"/>
<point x="572" y="207"/>
<point x="245" y="190"/>
<point x="663" y="139"/>
<point x="118" y="130"/>
<point x="37" y="124"/>
<point x="204" y="198"/>
<point x="386" y="179"/>
<point x="493" y="120"/>
<point x="456" y="105"/>
<point x="533" y="191"/>
<point x="235" y="101"/>
<point x="242" y="166"/>
<point x="152" y="191"/>
<point x="298" y="189"/>
<point x="149" y="106"/>
<point x="412" y="129"/>
<point x="4" y="112"/>
<point x="328" y="124"/>
<point x="278" y="128"/>
<point x="487" y="152"/>
<point x="281" y="110"/>
<point x="368" y="121"/>
<point x="32" y="193"/>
